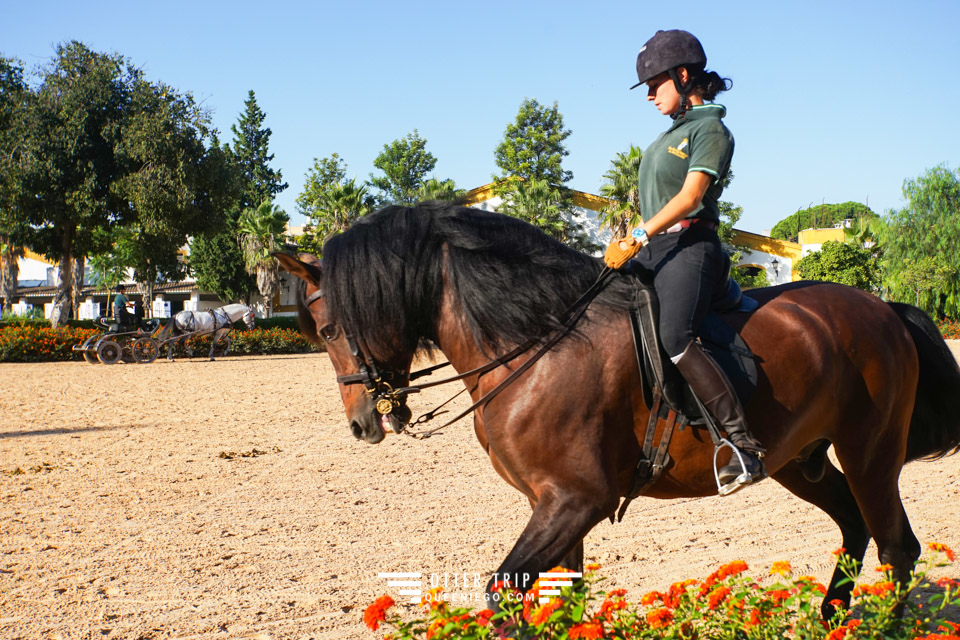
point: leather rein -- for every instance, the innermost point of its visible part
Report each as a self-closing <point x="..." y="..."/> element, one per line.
<point x="386" y="398"/>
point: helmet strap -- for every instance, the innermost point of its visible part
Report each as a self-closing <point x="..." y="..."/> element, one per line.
<point x="683" y="90"/>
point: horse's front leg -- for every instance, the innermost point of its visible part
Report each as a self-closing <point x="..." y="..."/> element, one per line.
<point x="213" y="342"/>
<point x="573" y="560"/>
<point x="553" y="536"/>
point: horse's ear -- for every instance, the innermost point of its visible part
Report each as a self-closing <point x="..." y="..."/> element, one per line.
<point x="308" y="271"/>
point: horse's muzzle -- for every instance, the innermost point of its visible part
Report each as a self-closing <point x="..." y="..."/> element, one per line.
<point x="371" y="426"/>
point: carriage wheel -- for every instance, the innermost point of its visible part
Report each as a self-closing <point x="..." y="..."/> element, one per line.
<point x="109" y="352"/>
<point x="88" y="351"/>
<point x="145" y="350"/>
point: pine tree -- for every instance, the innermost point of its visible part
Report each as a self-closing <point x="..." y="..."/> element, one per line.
<point x="251" y="150"/>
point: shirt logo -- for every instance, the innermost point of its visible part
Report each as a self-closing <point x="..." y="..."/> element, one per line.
<point x="679" y="149"/>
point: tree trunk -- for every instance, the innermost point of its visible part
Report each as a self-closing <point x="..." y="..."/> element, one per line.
<point x="63" y="302"/>
<point x="78" y="269"/>
<point x="9" y="272"/>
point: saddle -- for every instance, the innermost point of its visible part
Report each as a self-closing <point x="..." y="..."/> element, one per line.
<point x="666" y="394"/>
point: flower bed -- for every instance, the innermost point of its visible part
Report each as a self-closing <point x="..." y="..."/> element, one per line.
<point x="950" y="329"/>
<point x="34" y="342"/>
<point x="728" y="604"/>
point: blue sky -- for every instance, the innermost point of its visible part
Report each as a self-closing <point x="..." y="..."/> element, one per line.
<point x="832" y="101"/>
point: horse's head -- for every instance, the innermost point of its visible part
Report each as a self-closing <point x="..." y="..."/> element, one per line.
<point x="366" y="385"/>
<point x="248" y="318"/>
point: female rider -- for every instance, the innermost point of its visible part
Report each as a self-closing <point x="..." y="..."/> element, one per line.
<point x="681" y="179"/>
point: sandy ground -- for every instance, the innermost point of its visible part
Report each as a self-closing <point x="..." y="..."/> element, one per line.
<point x="229" y="500"/>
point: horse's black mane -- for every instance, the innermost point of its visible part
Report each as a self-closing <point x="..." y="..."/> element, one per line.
<point x="384" y="277"/>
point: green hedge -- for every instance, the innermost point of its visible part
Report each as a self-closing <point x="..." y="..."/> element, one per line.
<point x="34" y="342"/>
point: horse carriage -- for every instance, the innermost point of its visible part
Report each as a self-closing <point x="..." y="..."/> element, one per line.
<point x="141" y="343"/>
<point x="121" y="342"/>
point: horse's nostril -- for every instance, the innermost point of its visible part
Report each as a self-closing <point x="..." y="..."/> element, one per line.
<point x="355" y="428"/>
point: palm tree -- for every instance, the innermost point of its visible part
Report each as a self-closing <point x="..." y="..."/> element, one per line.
<point x="260" y="232"/>
<point x="338" y="206"/>
<point x="537" y="202"/>
<point x="434" y="189"/>
<point x="622" y="189"/>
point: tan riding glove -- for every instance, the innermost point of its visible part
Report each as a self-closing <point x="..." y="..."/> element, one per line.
<point x="615" y="257"/>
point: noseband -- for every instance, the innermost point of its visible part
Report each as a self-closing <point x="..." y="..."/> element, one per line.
<point x="385" y="397"/>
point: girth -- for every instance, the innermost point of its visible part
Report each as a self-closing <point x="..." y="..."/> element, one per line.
<point x="667" y="395"/>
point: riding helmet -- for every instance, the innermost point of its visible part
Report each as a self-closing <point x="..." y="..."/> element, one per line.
<point x="668" y="50"/>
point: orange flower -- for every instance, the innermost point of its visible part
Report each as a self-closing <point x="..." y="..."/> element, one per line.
<point x="377" y="612"/>
<point x="840" y="551"/>
<point x="780" y="568"/>
<point x="617" y="593"/>
<point x="936" y="546"/>
<point x="884" y="568"/>
<point x="732" y="569"/>
<point x="438" y="623"/>
<point x="778" y="596"/>
<point x="593" y="566"/>
<point x="608" y="607"/>
<point x="586" y="631"/>
<point x="433" y="599"/>
<point x="659" y="618"/>
<point x="650" y="598"/>
<point x="717" y="596"/>
<point x="543" y="612"/>
<point x="879" y="589"/>
<point x="756" y="619"/>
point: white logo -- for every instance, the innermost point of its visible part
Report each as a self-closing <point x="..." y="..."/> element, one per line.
<point x="407" y="580"/>
<point x="550" y="583"/>
<point x="411" y="584"/>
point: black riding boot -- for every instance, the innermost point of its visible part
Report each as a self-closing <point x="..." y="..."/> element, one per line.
<point x="713" y="389"/>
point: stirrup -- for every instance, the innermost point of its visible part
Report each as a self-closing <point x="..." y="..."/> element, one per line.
<point x="742" y="480"/>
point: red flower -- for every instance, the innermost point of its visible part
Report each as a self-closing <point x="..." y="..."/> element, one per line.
<point x="483" y="617"/>
<point x="586" y="631"/>
<point x="650" y="598"/>
<point x="377" y="612"/>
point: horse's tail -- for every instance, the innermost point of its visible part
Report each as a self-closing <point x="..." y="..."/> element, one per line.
<point x="935" y="424"/>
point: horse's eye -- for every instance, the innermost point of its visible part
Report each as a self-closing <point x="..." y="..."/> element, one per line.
<point x="329" y="332"/>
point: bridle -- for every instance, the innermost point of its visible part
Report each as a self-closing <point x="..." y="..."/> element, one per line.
<point x="387" y="398"/>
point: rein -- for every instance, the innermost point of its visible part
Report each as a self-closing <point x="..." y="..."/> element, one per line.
<point x="388" y="399"/>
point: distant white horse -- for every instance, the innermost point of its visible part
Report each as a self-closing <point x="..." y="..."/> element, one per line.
<point x="218" y="322"/>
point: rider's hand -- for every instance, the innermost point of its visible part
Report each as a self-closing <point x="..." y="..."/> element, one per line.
<point x="620" y="251"/>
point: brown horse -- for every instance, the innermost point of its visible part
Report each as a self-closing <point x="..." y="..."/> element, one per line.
<point x="836" y="365"/>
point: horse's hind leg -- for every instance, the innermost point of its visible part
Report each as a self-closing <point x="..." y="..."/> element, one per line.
<point x="873" y="473"/>
<point x="832" y="494"/>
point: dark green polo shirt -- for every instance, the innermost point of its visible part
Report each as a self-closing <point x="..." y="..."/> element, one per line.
<point x="699" y="142"/>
